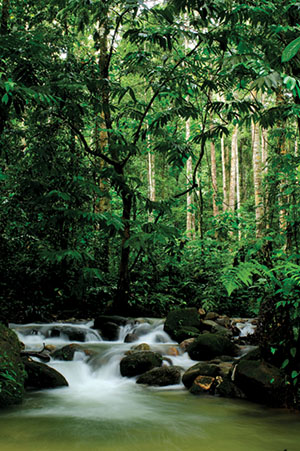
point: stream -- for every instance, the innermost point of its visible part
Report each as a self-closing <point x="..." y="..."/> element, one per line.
<point x="102" y="411"/>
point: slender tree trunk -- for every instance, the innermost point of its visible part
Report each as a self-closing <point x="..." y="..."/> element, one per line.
<point x="224" y="183"/>
<point x="200" y="206"/>
<point x="232" y="189"/>
<point x="190" y="215"/>
<point x="257" y="177"/>
<point x="238" y="191"/>
<point x="214" y="177"/>
<point x="123" y="289"/>
<point x="4" y="108"/>
<point x="151" y="180"/>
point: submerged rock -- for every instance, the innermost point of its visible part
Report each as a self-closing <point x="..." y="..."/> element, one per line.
<point x="166" y="375"/>
<point x="41" y="376"/>
<point x="208" y="346"/>
<point x="12" y="372"/>
<point x="139" y="362"/>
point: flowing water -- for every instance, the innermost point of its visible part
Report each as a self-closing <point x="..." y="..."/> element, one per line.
<point x="101" y="411"/>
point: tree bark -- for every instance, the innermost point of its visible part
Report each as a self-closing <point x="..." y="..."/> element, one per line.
<point x="190" y="215"/>
<point x="232" y="189"/>
<point x="257" y="179"/>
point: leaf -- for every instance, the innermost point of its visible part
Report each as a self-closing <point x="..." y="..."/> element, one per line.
<point x="291" y="50"/>
<point x="285" y="363"/>
<point x="294" y="374"/>
<point x="5" y="99"/>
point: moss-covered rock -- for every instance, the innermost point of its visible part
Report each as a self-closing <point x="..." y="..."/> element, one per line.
<point x="12" y="372"/>
<point x="183" y="323"/>
<point x="166" y="375"/>
<point x="139" y="362"/>
<point x="68" y="351"/>
<point x="41" y="376"/>
<point x="200" y="369"/>
<point x="261" y="382"/>
<point x="208" y="346"/>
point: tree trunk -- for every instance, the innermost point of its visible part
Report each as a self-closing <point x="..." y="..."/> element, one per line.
<point x="257" y="178"/>
<point x="4" y="108"/>
<point x="225" y="194"/>
<point x="238" y="193"/>
<point x="214" y="177"/>
<point x="121" y="300"/>
<point x="232" y="189"/>
<point x="190" y="215"/>
<point x="151" y="180"/>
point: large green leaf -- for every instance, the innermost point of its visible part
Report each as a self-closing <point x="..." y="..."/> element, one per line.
<point x="291" y="50"/>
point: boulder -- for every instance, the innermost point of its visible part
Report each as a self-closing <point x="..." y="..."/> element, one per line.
<point x="72" y="332"/>
<point x="109" y="326"/>
<point x="141" y="347"/>
<point x="68" y="351"/>
<point x="12" y="372"/>
<point x="228" y="389"/>
<point x="183" y="323"/>
<point x="130" y="338"/>
<point x="261" y="382"/>
<point x="203" y="384"/>
<point x="186" y="343"/>
<point x="200" y="369"/>
<point x="208" y="346"/>
<point x="166" y="375"/>
<point x="41" y="376"/>
<point x="211" y="316"/>
<point x="139" y="362"/>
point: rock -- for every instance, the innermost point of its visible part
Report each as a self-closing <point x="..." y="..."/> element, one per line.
<point x="224" y="321"/>
<point x="209" y="325"/>
<point x="109" y="326"/>
<point x="185" y="343"/>
<point x="203" y="384"/>
<point x="139" y="362"/>
<point x="186" y="332"/>
<point x="208" y="346"/>
<point x="172" y="351"/>
<point x="200" y="369"/>
<point x="12" y="373"/>
<point x="141" y="347"/>
<point x="41" y="376"/>
<point x="130" y="338"/>
<point x="228" y="389"/>
<point x="68" y="351"/>
<point x="183" y="323"/>
<point x="201" y="312"/>
<point x="166" y="375"/>
<point x="72" y="332"/>
<point x="261" y="382"/>
<point x="225" y="368"/>
<point x="102" y="319"/>
<point x="211" y="316"/>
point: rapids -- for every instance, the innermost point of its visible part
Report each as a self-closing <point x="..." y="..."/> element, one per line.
<point x="101" y="411"/>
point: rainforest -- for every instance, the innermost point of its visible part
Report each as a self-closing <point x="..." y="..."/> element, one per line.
<point x="149" y="189"/>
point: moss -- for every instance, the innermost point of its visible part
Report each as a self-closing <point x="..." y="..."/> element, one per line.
<point x="12" y="373"/>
